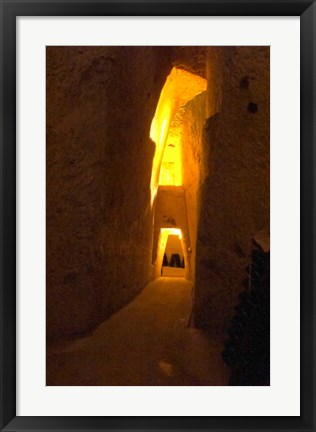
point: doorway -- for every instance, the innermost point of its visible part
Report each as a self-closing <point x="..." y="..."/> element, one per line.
<point x="173" y="263"/>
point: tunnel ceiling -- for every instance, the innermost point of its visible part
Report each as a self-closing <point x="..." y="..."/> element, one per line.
<point x="191" y="59"/>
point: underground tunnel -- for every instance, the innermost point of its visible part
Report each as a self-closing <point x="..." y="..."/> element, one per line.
<point x="157" y="215"/>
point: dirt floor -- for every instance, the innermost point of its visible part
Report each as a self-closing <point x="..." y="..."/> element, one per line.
<point x="148" y="342"/>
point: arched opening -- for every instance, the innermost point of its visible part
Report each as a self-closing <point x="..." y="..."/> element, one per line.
<point x="168" y="196"/>
<point x="173" y="261"/>
<point x="171" y="252"/>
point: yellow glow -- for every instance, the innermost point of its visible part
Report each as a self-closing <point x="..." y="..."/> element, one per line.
<point x="164" y="234"/>
<point x="173" y="231"/>
<point x="165" y="131"/>
<point x="171" y="165"/>
<point x="162" y="242"/>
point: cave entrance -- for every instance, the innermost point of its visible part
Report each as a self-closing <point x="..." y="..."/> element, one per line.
<point x="171" y="249"/>
<point x="173" y="259"/>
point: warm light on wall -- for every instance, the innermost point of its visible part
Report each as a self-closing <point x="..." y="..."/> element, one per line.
<point x="171" y="165"/>
<point x="165" y="131"/>
<point x="172" y="231"/>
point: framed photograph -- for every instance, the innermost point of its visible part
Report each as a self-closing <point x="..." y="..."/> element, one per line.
<point x="149" y="152"/>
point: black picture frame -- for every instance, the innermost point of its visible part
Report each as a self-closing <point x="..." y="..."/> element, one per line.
<point x="9" y="11"/>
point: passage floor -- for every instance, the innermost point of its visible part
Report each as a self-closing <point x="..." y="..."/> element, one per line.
<point x="148" y="342"/>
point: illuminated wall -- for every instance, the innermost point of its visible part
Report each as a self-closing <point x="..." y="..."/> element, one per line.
<point x="166" y="130"/>
<point x="195" y="168"/>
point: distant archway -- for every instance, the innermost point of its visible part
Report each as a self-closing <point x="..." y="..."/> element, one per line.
<point x="173" y="263"/>
<point x="171" y="245"/>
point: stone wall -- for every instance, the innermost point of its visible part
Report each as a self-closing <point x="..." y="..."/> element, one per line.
<point x="234" y="193"/>
<point x="100" y="104"/>
<point x="194" y="169"/>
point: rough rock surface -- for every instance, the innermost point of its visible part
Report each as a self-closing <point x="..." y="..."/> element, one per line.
<point x="100" y="104"/>
<point x="191" y="58"/>
<point x="193" y="159"/>
<point x="235" y="193"/>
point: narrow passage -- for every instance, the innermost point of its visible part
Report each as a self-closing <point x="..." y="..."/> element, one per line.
<point x="148" y="342"/>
